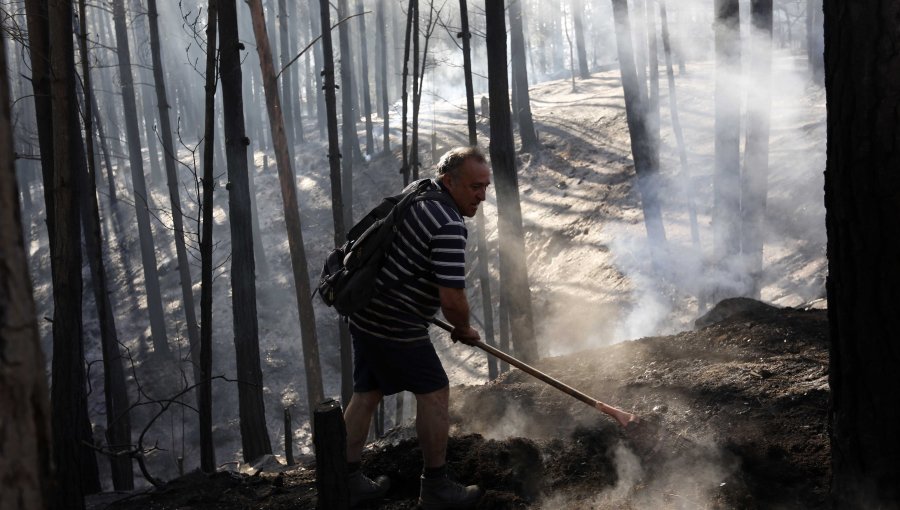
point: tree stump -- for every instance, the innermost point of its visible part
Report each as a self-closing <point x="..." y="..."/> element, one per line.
<point x="330" y="441"/>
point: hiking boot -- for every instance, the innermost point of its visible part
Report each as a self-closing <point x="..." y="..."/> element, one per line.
<point x="443" y="493"/>
<point x="362" y="488"/>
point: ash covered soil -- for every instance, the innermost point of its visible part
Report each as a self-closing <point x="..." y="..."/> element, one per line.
<point x="736" y="415"/>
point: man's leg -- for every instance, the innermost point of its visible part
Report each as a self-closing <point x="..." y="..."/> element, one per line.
<point x="357" y="418"/>
<point x="437" y="490"/>
<point x="433" y="425"/>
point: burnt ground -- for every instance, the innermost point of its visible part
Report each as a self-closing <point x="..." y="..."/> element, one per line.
<point x="740" y="406"/>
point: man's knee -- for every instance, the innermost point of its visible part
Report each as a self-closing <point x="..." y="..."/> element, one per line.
<point x="436" y="399"/>
<point x="366" y="401"/>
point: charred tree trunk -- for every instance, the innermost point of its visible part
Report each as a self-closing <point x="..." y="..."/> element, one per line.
<point x="414" y="129"/>
<point x="578" y="22"/>
<point x="653" y="95"/>
<point x="207" y="450"/>
<point x="165" y="127"/>
<point x="383" y="80"/>
<point x="646" y="162"/>
<point x="76" y="463"/>
<point x="24" y="409"/>
<point x="287" y="89"/>
<point x="321" y="114"/>
<point x="364" y="79"/>
<point x="483" y="253"/>
<point x="520" y="75"/>
<point x="726" y="181"/>
<point x="676" y="124"/>
<point x="404" y="168"/>
<point x="118" y="421"/>
<point x="754" y="177"/>
<point x="337" y="196"/>
<point x="299" y="266"/>
<point x="863" y="225"/>
<point x="348" y="115"/>
<point x="262" y="266"/>
<point x="254" y="436"/>
<point x="514" y="271"/>
<point x="141" y="202"/>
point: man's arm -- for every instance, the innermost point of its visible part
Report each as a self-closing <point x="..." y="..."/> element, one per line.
<point x="455" y="306"/>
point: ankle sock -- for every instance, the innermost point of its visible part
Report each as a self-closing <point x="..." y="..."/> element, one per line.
<point x="435" y="472"/>
<point x="353" y="467"/>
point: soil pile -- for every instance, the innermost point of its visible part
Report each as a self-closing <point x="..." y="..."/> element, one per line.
<point x="740" y="406"/>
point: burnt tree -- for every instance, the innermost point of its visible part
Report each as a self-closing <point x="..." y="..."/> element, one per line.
<point x="520" y="77"/>
<point x="645" y="155"/>
<point x="578" y="22"/>
<point x="364" y="79"/>
<point x="726" y="180"/>
<point x="481" y="243"/>
<point x="299" y="266"/>
<point x="863" y="225"/>
<point x="348" y="114"/>
<point x="382" y="80"/>
<point x="754" y="175"/>
<point x="254" y="436"/>
<point x="141" y="199"/>
<point x="24" y="408"/>
<point x="169" y="155"/>
<point x="118" y="421"/>
<point x="204" y="395"/>
<point x="337" y="196"/>
<point x="513" y="269"/>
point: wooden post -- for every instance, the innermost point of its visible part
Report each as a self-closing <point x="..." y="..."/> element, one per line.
<point x="288" y="438"/>
<point x="330" y="441"/>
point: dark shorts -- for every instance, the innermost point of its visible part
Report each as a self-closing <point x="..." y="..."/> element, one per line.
<point x="392" y="367"/>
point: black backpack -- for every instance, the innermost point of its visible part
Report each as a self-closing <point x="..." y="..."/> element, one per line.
<point x="347" y="281"/>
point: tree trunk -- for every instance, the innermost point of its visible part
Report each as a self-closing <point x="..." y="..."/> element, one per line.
<point x="756" y="149"/>
<point x="726" y="181"/>
<point x="520" y="75"/>
<point x="141" y="204"/>
<point x="348" y="115"/>
<point x="207" y="450"/>
<point x="75" y="462"/>
<point x="287" y="89"/>
<point x="653" y="95"/>
<point x="414" y="130"/>
<point x="364" y="79"/>
<point x="676" y="124"/>
<point x="383" y="80"/>
<point x="646" y="162"/>
<point x="321" y="114"/>
<point x="315" y="392"/>
<point x="262" y="266"/>
<point x="337" y="196"/>
<point x="118" y="421"/>
<point x="639" y="48"/>
<point x="254" y="436"/>
<point x="483" y="272"/>
<point x="577" y="14"/>
<point x="169" y="155"/>
<point x="514" y="271"/>
<point x="404" y="168"/>
<point x="24" y="409"/>
<point x="863" y="224"/>
<point x="814" y="40"/>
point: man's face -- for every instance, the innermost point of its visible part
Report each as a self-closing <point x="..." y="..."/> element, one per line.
<point x="469" y="187"/>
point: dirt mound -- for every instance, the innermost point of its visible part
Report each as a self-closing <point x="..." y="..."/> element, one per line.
<point x="740" y="409"/>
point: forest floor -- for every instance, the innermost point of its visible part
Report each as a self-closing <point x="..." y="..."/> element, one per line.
<point x="741" y="404"/>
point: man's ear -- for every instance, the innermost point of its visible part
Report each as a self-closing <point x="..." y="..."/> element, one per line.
<point x="447" y="179"/>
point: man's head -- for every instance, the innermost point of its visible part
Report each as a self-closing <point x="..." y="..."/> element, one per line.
<point x="466" y="175"/>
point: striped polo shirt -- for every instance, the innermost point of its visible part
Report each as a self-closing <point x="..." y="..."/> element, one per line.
<point x="428" y="251"/>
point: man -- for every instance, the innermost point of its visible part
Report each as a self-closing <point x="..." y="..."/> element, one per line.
<point x="424" y="270"/>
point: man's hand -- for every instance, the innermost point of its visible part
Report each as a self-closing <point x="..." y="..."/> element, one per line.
<point x="466" y="335"/>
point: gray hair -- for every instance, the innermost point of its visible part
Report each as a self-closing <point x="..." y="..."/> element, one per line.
<point x="453" y="160"/>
